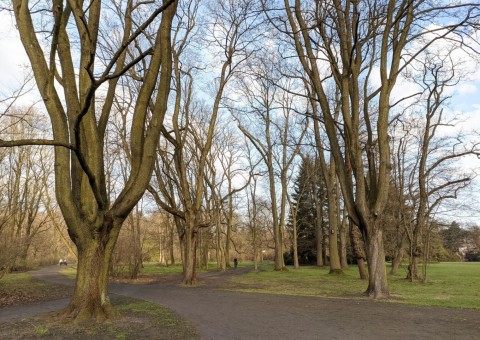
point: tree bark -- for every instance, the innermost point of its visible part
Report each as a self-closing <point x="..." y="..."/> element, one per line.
<point x="296" y="265"/>
<point x="358" y="250"/>
<point x="377" y="281"/>
<point x="319" y="226"/>
<point x="362" y="269"/>
<point x="343" y="241"/>
<point x="91" y="298"/>
<point x="397" y="259"/>
<point x="190" y="257"/>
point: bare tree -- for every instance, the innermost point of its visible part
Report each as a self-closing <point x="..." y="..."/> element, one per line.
<point x="344" y="42"/>
<point x="434" y="178"/>
<point x="267" y="122"/>
<point x="23" y="172"/>
<point x="231" y="33"/>
<point x="62" y="41"/>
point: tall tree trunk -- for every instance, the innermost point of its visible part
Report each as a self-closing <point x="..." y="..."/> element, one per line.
<point x="415" y="253"/>
<point x="332" y="200"/>
<point x="295" y="245"/>
<point x="171" y="241"/>
<point x="319" y="225"/>
<point x="227" y="242"/>
<point x="343" y="241"/>
<point x="221" y="263"/>
<point x="358" y="250"/>
<point x="399" y="252"/>
<point x="279" y="263"/>
<point x="362" y="269"/>
<point x="190" y="256"/>
<point x="377" y="281"/>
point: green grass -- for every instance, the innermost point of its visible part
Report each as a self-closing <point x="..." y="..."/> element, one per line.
<point x="41" y="331"/>
<point x="449" y="284"/>
<point x="9" y="281"/>
<point x="150" y="268"/>
<point x="156" y="269"/>
<point x="69" y="272"/>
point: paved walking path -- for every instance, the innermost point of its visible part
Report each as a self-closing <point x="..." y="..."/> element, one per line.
<point x="221" y="314"/>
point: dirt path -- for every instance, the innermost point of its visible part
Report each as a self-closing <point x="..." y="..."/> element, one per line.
<point x="221" y="314"/>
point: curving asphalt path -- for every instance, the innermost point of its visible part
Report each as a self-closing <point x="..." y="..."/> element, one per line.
<point x="221" y="314"/>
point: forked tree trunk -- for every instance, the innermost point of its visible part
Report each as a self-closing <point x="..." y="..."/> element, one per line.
<point x="377" y="281"/>
<point x="90" y="298"/>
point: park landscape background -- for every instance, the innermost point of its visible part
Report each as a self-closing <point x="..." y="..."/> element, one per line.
<point x="198" y="132"/>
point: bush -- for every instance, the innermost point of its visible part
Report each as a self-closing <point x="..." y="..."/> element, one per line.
<point x="472" y="256"/>
<point x="445" y="255"/>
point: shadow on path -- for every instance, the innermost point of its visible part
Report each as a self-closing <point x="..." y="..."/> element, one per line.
<point x="219" y="314"/>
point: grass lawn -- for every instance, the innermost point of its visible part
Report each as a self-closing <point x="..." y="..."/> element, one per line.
<point x="454" y="284"/>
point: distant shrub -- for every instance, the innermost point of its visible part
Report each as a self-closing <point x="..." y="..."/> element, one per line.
<point x="472" y="256"/>
<point x="445" y="255"/>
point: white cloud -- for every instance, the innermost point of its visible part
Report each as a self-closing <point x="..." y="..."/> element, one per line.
<point x="13" y="58"/>
<point x="466" y="89"/>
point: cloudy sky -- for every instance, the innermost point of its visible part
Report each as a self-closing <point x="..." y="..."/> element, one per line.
<point x="465" y="99"/>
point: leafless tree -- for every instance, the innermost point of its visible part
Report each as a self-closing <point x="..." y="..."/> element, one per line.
<point x="344" y="42"/>
<point x="63" y="41"/>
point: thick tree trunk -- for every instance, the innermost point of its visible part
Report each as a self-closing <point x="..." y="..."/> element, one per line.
<point x="91" y="299"/>
<point x="190" y="256"/>
<point x="377" y="281"/>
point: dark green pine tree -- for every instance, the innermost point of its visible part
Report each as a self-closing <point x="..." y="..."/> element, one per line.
<point x="306" y="213"/>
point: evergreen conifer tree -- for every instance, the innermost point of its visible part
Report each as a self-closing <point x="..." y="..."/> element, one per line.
<point x="306" y="216"/>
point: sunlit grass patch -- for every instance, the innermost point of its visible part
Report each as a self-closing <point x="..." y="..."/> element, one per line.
<point x="157" y="269"/>
<point x="449" y="284"/>
<point x="308" y="281"/>
<point x="70" y="272"/>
